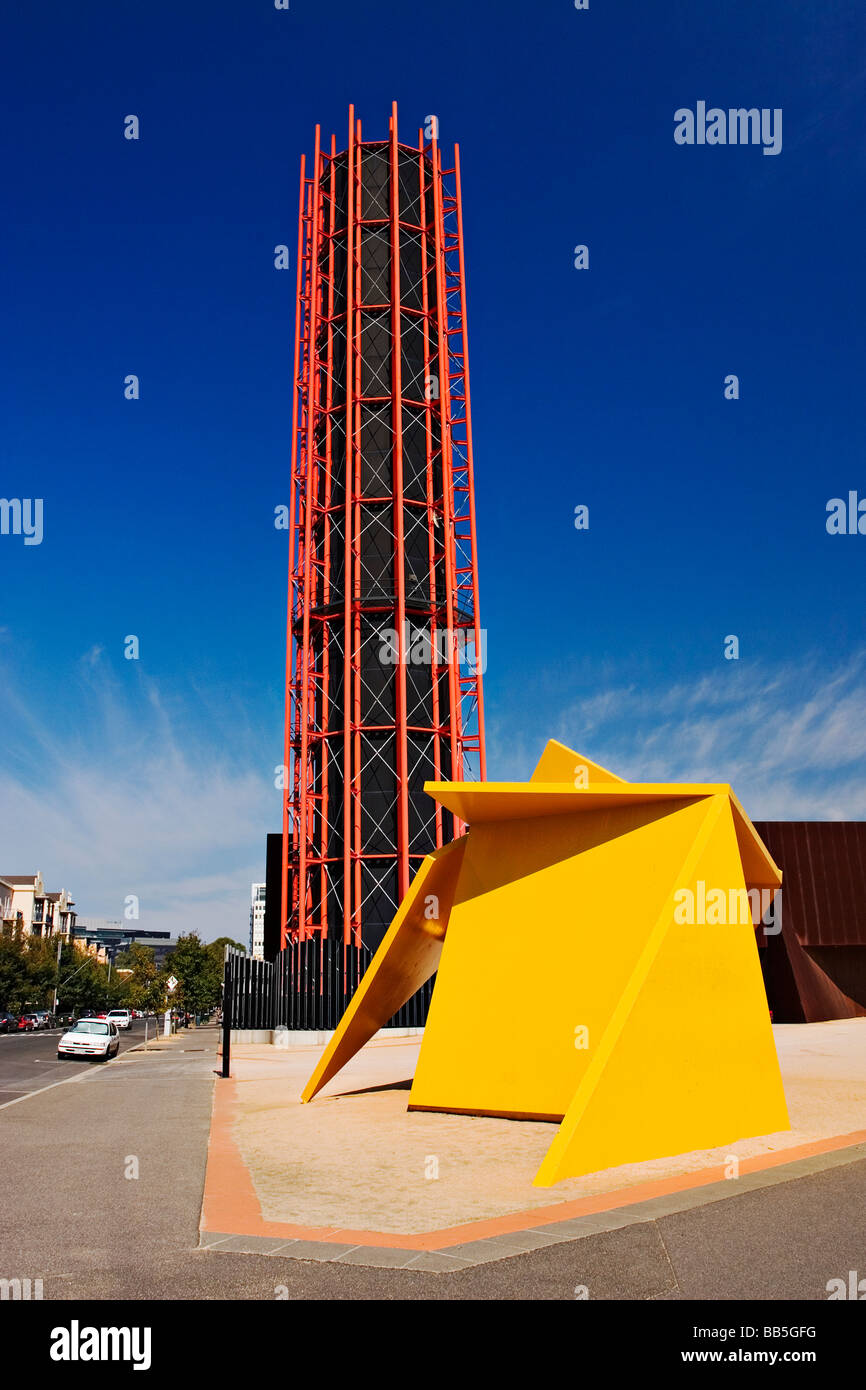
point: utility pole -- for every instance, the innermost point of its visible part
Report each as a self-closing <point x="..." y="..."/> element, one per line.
<point x="59" y="949"/>
<point x="86" y="961"/>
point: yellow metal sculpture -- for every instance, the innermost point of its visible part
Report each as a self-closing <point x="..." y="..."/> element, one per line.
<point x="597" y="965"/>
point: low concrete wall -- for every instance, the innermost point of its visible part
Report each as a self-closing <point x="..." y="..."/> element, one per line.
<point x="310" y="1037"/>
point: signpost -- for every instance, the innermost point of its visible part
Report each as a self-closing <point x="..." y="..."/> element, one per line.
<point x="171" y="984"/>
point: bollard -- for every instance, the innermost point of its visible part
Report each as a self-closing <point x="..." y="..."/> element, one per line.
<point x="227" y="1024"/>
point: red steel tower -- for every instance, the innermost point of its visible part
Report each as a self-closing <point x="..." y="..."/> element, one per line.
<point x="384" y="650"/>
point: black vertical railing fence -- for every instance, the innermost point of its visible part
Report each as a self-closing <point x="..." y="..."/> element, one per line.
<point x="307" y="986"/>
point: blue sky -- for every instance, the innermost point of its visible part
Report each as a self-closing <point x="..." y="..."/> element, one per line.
<point x="602" y="387"/>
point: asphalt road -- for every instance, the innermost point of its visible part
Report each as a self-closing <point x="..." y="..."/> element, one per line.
<point x="28" y="1061"/>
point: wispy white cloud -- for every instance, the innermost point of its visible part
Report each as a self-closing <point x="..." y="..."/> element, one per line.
<point x="137" y="796"/>
<point x="791" y="739"/>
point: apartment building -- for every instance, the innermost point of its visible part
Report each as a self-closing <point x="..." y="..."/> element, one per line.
<point x="25" y="903"/>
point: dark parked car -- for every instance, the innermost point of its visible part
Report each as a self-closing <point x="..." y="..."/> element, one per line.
<point x="8" y="1023"/>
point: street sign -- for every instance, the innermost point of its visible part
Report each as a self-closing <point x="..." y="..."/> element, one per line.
<point x="172" y="984"/>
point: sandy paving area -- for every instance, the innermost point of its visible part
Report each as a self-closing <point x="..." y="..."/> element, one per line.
<point x="355" y="1157"/>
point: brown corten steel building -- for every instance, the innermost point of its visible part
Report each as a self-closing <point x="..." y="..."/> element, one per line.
<point x="815" y="968"/>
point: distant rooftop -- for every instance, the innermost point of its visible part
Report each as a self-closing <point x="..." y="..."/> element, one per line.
<point x="114" y="930"/>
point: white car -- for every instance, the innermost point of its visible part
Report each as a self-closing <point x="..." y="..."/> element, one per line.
<point x="121" y="1018"/>
<point x="91" y="1037"/>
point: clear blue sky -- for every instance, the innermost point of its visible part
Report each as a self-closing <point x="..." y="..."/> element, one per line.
<point x="603" y="387"/>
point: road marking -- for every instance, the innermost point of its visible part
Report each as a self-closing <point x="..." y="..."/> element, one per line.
<point x="80" y="1076"/>
<point x="36" y="1037"/>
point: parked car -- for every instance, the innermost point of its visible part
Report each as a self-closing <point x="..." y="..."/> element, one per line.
<point x="90" y="1038"/>
<point x="8" y="1023"/>
<point x="28" y="1023"/>
<point x="45" y="1019"/>
<point x="121" y="1018"/>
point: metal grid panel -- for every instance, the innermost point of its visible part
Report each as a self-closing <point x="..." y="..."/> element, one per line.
<point x="383" y="576"/>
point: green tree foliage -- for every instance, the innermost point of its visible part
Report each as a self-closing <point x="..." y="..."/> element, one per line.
<point x="145" y="988"/>
<point x="199" y="971"/>
<point x="28" y="975"/>
<point x="41" y="959"/>
<point x="83" y="982"/>
<point x="218" y="947"/>
<point x="14" y="986"/>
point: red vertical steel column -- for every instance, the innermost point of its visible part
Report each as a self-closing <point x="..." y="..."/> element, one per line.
<point x="399" y="519"/>
<point x="434" y="511"/>
<point x="460" y="485"/>
<point x="347" y="538"/>
<point x="328" y="473"/>
<point x="289" y="831"/>
<point x="447" y="484"/>
<point x="473" y="685"/>
<point x="357" y="840"/>
<point x="307" y="781"/>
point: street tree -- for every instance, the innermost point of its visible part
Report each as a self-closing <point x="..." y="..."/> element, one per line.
<point x="13" y="970"/>
<point x="146" y="986"/>
<point x="83" y="982"/>
<point x="198" y="972"/>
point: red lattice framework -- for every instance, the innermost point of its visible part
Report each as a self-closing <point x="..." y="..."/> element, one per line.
<point x="382" y="535"/>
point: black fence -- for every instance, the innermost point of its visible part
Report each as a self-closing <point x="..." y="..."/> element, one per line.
<point x="247" y="991"/>
<point x="307" y="986"/>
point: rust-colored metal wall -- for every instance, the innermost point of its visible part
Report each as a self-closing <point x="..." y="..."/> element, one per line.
<point x="824" y="863"/>
<point x="815" y="969"/>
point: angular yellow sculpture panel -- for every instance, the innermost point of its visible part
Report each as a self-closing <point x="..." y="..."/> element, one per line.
<point x="543" y="948"/>
<point x="571" y="984"/>
<point x="408" y="956"/>
<point x="687" y="1060"/>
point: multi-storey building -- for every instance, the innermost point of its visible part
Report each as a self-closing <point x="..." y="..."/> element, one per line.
<point x="25" y="903"/>
<point x="257" y="921"/>
<point x="107" y="939"/>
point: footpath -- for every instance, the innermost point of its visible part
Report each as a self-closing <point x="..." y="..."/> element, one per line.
<point x="103" y="1175"/>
